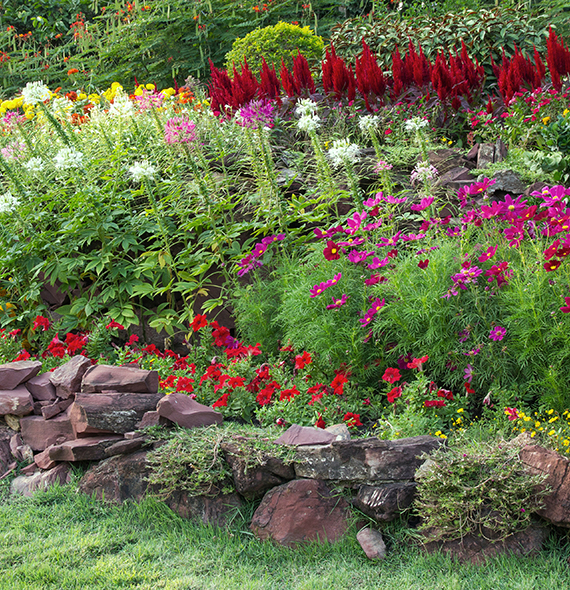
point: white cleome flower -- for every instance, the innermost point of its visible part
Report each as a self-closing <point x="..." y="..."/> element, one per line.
<point x="343" y="152"/>
<point x="34" y="165"/>
<point x="308" y="122"/>
<point x="68" y="158"/>
<point x="35" y="92"/>
<point x="61" y="107"/>
<point x="306" y="106"/>
<point x="142" y="170"/>
<point x="8" y="202"/>
<point x="423" y="172"/>
<point x="368" y="122"/>
<point x="122" y="106"/>
<point x="415" y="124"/>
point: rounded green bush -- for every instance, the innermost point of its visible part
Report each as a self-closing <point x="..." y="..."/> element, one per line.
<point x="281" y="41"/>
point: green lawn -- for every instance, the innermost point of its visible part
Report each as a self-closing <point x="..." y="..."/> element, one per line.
<point x="61" y="540"/>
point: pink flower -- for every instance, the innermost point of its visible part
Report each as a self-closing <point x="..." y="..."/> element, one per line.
<point x="338" y="302"/>
<point x="512" y="414"/>
<point x="179" y="130"/>
<point x="497" y="333"/>
<point x="423" y="204"/>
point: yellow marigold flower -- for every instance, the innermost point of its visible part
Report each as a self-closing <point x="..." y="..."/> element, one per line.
<point x="29" y="114"/>
<point x="545" y="120"/>
<point x="81" y="96"/>
<point x="150" y="86"/>
<point x="460" y="410"/>
<point x="536" y="424"/>
<point x="168" y="92"/>
<point x="552" y="432"/>
<point x="532" y="434"/>
<point x="116" y="86"/>
<point x="19" y="101"/>
<point x="94" y="98"/>
<point x="566" y="442"/>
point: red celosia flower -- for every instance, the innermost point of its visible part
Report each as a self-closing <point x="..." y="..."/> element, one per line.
<point x="41" y="322"/>
<point x="185" y="384"/>
<point x="199" y="321"/>
<point x="394" y="394"/>
<point x="303" y="359"/>
<point x="114" y="324"/>
<point x="352" y="420"/>
<point x="391" y="375"/>
<point x="222" y="401"/>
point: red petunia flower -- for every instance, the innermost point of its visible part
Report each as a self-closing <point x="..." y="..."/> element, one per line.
<point x="303" y="359"/>
<point x="222" y="401"/>
<point x="41" y="322"/>
<point x="417" y="363"/>
<point x="320" y="423"/>
<point x="434" y="403"/>
<point x="394" y="394"/>
<point x="185" y="384"/>
<point x="352" y="420"/>
<point x="198" y="322"/>
<point x="391" y="375"/>
<point x="114" y="324"/>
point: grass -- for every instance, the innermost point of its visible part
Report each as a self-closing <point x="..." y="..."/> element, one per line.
<point x="62" y="540"/>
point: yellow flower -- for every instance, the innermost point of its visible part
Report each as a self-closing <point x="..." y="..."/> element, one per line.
<point x="566" y="442"/>
<point x="460" y="410"/>
<point x="81" y="96"/>
<point x="552" y="432"/>
<point x="150" y="86"/>
<point x="545" y="120"/>
<point x="532" y="434"/>
<point x="168" y="92"/>
<point x="438" y="433"/>
<point x="536" y="424"/>
<point x="553" y="419"/>
<point x="94" y="98"/>
<point x="565" y="112"/>
<point x="550" y="411"/>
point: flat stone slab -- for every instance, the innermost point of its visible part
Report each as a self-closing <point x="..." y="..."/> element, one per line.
<point x="367" y="461"/>
<point x="28" y="484"/>
<point x="128" y="379"/>
<point x="40" y="433"/>
<point x="84" y="449"/>
<point x="305" y="435"/>
<point x="124" y="447"/>
<point x="17" y="402"/>
<point x="187" y="412"/>
<point x="384" y="503"/>
<point x="41" y="387"/>
<point x="56" y="408"/>
<point x="111" y="412"/>
<point x="13" y="374"/>
<point x="67" y="378"/>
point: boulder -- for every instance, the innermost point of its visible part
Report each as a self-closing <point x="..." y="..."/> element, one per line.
<point x="301" y="510"/>
<point x="384" y="503"/>
<point x="187" y="412"/>
<point x="477" y="549"/>
<point x="28" y="484"/>
<point x="84" y="449"/>
<point x="366" y="461"/>
<point x="41" y="387"/>
<point x="556" y="468"/>
<point x="153" y="419"/>
<point x="67" y="378"/>
<point x="17" y="401"/>
<point x="507" y="181"/>
<point x="13" y="374"/>
<point x="485" y="155"/>
<point x="110" y="412"/>
<point x="372" y="543"/>
<point x="40" y="433"/>
<point x="216" y="510"/>
<point x="126" y="379"/>
<point x="340" y="431"/>
<point x="38" y="407"/>
<point x="118" y="478"/>
<point x="305" y="435"/>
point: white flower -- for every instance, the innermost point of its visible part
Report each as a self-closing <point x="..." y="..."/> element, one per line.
<point x="343" y="151"/>
<point x="141" y="170"/>
<point x="68" y="158"/>
<point x="368" y="122"/>
<point x="34" y="165"/>
<point x="35" y="92"/>
<point x="309" y="122"/>
<point x="61" y="106"/>
<point x="415" y="124"/>
<point x="423" y="172"/>
<point x="306" y="106"/>
<point x="7" y="202"/>
<point x="122" y="106"/>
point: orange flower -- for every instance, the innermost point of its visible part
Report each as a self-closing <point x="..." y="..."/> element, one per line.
<point x="72" y="71"/>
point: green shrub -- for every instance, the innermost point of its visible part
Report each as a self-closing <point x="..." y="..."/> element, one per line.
<point x="276" y="43"/>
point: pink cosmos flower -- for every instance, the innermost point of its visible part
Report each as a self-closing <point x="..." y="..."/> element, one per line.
<point x="497" y="333"/>
<point x="338" y="302"/>
<point x="423" y="204"/>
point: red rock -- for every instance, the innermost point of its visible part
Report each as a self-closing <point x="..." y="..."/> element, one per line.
<point x="187" y="412"/>
<point x="301" y="510"/>
<point x="305" y="435"/>
<point x="84" y="449"/>
<point x="206" y="509"/>
<point x="110" y="412"/>
<point x="56" y="408"/>
<point x="124" y="447"/>
<point x="29" y="469"/>
<point x="125" y="379"/>
<point x="41" y="480"/>
<point x="13" y="374"/>
<point x="385" y="502"/>
<point x="38" y="407"/>
<point x="372" y="543"/>
<point x="43" y="461"/>
<point x="153" y="419"/>
<point x="40" y="433"/>
<point x="67" y="378"/>
<point x="17" y="402"/>
<point x="41" y="388"/>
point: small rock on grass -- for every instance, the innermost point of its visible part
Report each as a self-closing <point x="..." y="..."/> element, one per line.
<point x="372" y="543"/>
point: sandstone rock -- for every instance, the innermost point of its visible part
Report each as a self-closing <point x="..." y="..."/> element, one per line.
<point x="41" y="387"/>
<point x="29" y="469"/>
<point x="252" y="481"/>
<point x="11" y="468"/>
<point x="187" y="412"/>
<point x="15" y="443"/>
<point x="67" y="378"/>
<point x="501" y="151"/>
<point x="132" y="435"/>
<point x="43" y="461"/>
<point x="384" y="503"/>
<point x="305" y="435"/>
<point x="124" y="447"/>
<point x="13" y="422"/>
<point x="340" y="431"/>
<point x="367" y="461"/>
<point x="118" y="478"/>
<point x="472" y="154"/>
<point x="535" y="187"/>
<point x="372" y="543"/>
<point x="477" y="549"/>
<point x="455" y="178"/>
<point x="13" y="374"/>
<point x="153" y="419"/>
<point x="485" y="155"/>
<point x="38" y="406"/>
<point x="28" y="484"/>
<point x="507" y="181"/>
<point x="6" y="455"/>
<point x="301" y="510"/>
<point x="110" y="412"/>
<point x="84" y="449"/>
<point x="129" y="379"/>
<point x="56" y="408"/>
<point x="40" y="433"/>
<point x="17" y="402"/>
<point x="557" y="469"/>
<point x="217" y="510"/>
